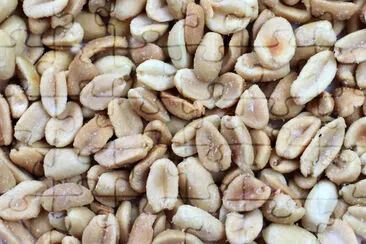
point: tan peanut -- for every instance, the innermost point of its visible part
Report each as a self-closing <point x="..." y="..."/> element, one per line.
<point x="245" y="193"/>
<point x="262" y="148"/>
<point x="344" y="169"/>
<point x="30" y="127"/>
<point x="142" y="51"/>
<point x="126" y="216"/>
<point x="295" y="135"/>
<point x="237" y="46"/>
<point x="6" y="128"/>
<point x="147" y="105"/>
<point x="198" y="222"/>
<point x="280" y="233"/>
<point x="77" y="219"/>
<point x="23" y="201"/>
<point x="139" y="173"/>
<point x="227" y="89"/>
<point x="177" y="50"/>
<point x="197" y="186"/>
<point x="354" y="193"/>
<point x="93" y="136"/>
<point x="316" y="75"/>
<point x="213" y="150"/>
<point x="283" y="165"/>
<point x="243" y="228"/>
<point x="323" y="148"/>
<point x="280" y="103"/>
<point x="102" y="229"/>
<point x="29" y="78"/>
<point x="142" y="229"/>
<point x="144" y="28"/>
<point x="194" y="25"/>
<point x="322" y="105"/>
<point x="319" y="205"/>
<point x="162" y="185"/>
<point x="158" y="132"/>
<point x="351" y="48"/>
<point x="237" y="136"/>
<point x="208" y="57"/>
<point x="275" y="43"/>
<point x="124" y="150"/>
<point x="252" y="108"/>
<point x="14" y="232"/>
<point x="64" y="196"/>
<point x="17" y="100"/>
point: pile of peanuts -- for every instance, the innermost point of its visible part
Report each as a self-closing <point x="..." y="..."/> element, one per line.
<point x="182" y="121"/>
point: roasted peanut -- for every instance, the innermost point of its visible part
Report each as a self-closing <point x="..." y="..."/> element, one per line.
<point x="102" y="229"/>
<point x="177" y="50"/>
<point x="346" y="100"/>
<point x="351" y="48"/>
<point x="146" y="29"/>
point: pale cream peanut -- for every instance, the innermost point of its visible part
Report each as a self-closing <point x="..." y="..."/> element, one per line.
<point x="177" y="50"/>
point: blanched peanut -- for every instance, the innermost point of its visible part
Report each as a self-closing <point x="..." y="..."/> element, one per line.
<point x="93" y="136"/>
<point x="102" y="229"/>
<point x="14" y="232"/>
<point x="142" y="229"/>
<point x="6" y="128"/>
<point x="22" y="201"/>
<point x="280" y="103"/>
<point x="177" y="47"/>
<point x="322" y="105"/>
<point x="102" y="89"/>
<point x="316" y="75"/>
<point x="361" y="75"/>
<point x="237" y="136"/>
<point x="31" y="125"/>
<point x="351" y="48"/>
<point x="126" y="216"/>
<point x="17" y="100"/>
<point x="142" y="51"/>
<point x="58" y="60"/>
<point x="275" y="43"/>
<point x="64" y="196"/>
<point x="252" y="108"/>
<point x="61" y="130"/>
<point x="279" y="233"/>
<point x="245" y="193"/>
<point x="338" y="10"/>
<point x="82" y="68"/>
<point x="176" y="236"/>
<point x="146" y="29"/>
<point x="355" y="217"/>
<point x="124" y="120"/>
<point x="77" y="219"/>
<point x="7" y="8"/>
<point x="339" y="231"/>
<point x="227" y="17"/>
<point x="194" y="25"/>
<point x="282" y="209"/>
<point x="7" y="55"/>
<point x="344" y="169"/>
<point x="115" y="64"/>
<point x="180" y="107"/>
<point x="17" y="29"/>
<point x="243" y="228"/>
<point x="124" y="150"/>
<point x="162" y="185"/>
<point x="63" y="37"/>
<point x="213" y="150"/>
<point x="57" y="220"/>
<point x="39" y="9"/>
<point x="158" y="10"/>
<point x="139" y="173"/>
<point x="262" y="148"/>
<point x="125" y="9"/>
<point x="319" y="205"/>
<point x="64" y="163"/>
<point x="295" y="135"/>
<point x="347" y="100"/>
<point x="146" y="104"/>
<point x="29" y="78"/>
<point x="208" y="57"/>
<point x="7" y="181"/>
<point x="158" y="132"/>
<point x="354" y="193"/>
<point x="248" y="67"/>
<point x="191" y="87"/>
<point x="198" y="222"/>
<point x="323" y="148"/>
<point x="197" y="186"/>
<point x="237" y="46"/>
<point x="227" y="89"/>
<point x="156" y="75"/>
<point x="53" y="91"/>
